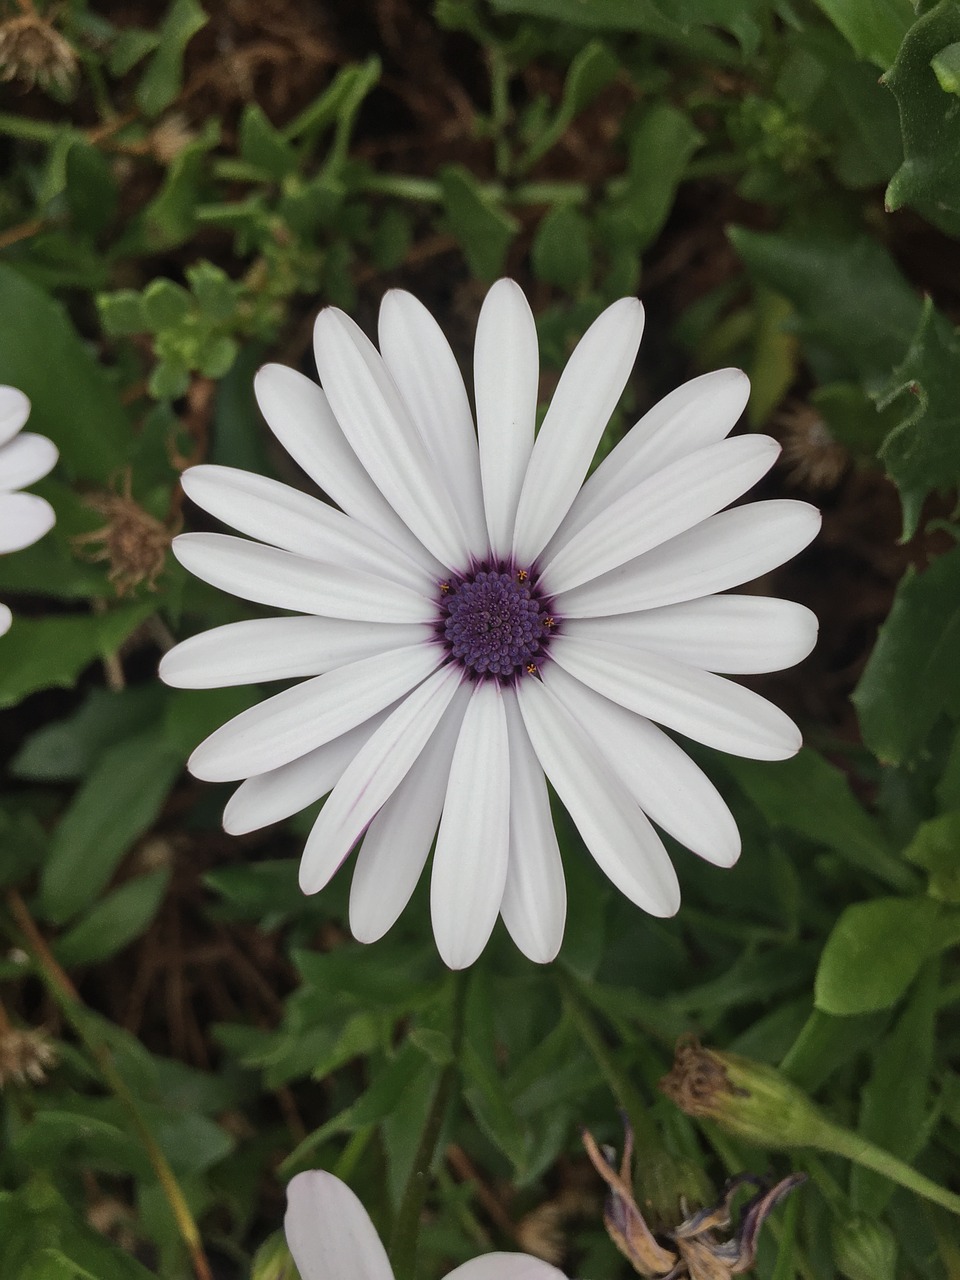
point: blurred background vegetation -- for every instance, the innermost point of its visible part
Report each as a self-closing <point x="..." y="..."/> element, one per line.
<point x="183" y="186"/>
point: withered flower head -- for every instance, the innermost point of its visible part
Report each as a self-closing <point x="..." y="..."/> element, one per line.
<point x="133" y="542"/>
<point x="694" y="1249"/>
<point x="814" y="458"/>
<point x="32" y="52"/>
<point x="25" y="1056"/>
<point x="749" y="1098"/>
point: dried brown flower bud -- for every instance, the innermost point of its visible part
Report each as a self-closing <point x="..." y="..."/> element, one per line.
<point x="133" y="542"/>
<point x="32" y="52"/>
<point x="25" y="1055"/>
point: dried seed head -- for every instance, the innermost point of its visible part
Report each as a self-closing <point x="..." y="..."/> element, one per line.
<point x="32" y="52"/>
<point x="133" y="542"/>
<point x="25" y="1056"/>
<point x="814" y="458"/>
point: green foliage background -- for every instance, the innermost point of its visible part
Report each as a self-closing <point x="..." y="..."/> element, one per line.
<point x="782" y="178"/>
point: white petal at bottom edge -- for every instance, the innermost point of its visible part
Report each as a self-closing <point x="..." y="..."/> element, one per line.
<point x="280" y="793"/>
<point x="504" y="1266"/>
<point x="722" y="551"/>
<point x="470" y="860"/>
<point x="397" y="844"/>
<point x="534" y="906"/>
<point x="666" y="784"/>
<point x="280" y="649"/>
<point x="306" y="716"/>
<point x="613" y="827"/>
<point x="25" y="460"/>
<point x="14" y="412"/>
<point x="372" y="777"/>
<point x="6" y="618"/>
<point x="330" y="1233"/>
<point x="24" y="519"/>
<point x="696" y="703"/>
<point x="737" y="635"/>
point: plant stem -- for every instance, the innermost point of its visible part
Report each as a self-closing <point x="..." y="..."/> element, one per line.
<point x="75" y="1011"/>
<point x="645" y="1131"/>
<point x="403" y="1242"/>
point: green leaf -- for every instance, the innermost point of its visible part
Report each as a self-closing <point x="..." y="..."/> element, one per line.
<point x="131" y="44"/>
<point x="874" y="952"/>
<point x="874" y="28"/>
<point x="894" y="1109"/>
<point x="936" y="848"/>
<point x="78" y="409"/>
<point x="913" y="676"/>
<point x="118" y="802"/>
<point x="485" y="230"/>
<point x="38" y="654"/>
<point x="121" y="313"/>
<point x="165" y="304"/>
<point x="92" y="192"/>
<point x="922" y="453"/>
<point x="162" y="80"/>
<point x="929" y="178"/>
<point x="561" y="248"/>
<point x="263" y="146"/>
<point x="660" y="148"/>
<point x="946" y="67"/>
<point x="215" y="292"/>
<point x="856" y="312"/>
<point x="171" y="217"/>
<point x="68" y="748"/>
<point x="591" y="70"/>
<point x="114" y="921"/>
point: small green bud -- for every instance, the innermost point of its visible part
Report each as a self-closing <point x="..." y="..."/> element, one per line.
<point x="865" y="1249"/>
<point x="749" y="1098"/>
<point x="272" y="1260"/>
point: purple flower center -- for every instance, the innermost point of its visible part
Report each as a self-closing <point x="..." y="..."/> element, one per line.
<point x="495" y="622"/>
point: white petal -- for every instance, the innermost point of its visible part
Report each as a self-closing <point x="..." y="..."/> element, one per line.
<point x="26" y="459"/>
<point x="377" y="425"/>
<point x="586" y="396"/>
<point x="299" y="415"/>
<point x="700" y="413"/>
<point x="668" y="503"/>
<point x="14" y="412"/>
<point x="534" y="906"/>
<point x="660" y="776"/>
<point x="428" y="377"/>
<point x="24" y="518"/>
<point x="274" y="513"/>
<point x="613" y="827"/>
<point x="284" y="580"/>
<point x="280" y="793"/>
<point x="372" y="777"/>
<point x="329" y="1232"/>
<point x="470" y="860"/>
<point x="306" y="716"/>
<point x="504" y="1266"/>
<point x="723" y="551"/>
<point x="395" y="848"/>
<point x="737" y="635"/>
<point x="695" y="703"/>
<point x="6" y="619"/>
<point x="280" y="649"/>
<point x="506" y="366"/>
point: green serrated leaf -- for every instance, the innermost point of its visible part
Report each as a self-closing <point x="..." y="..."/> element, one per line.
<point x="263" y="146"/>
<point x="118" y="802"/>
<point x="163" y="77"/>
<point x="929" y="178"/>
<point x="913" y="676"/>
<point x="874" y="28"/>
<point x="78" y="409"/>
<point x="215" y="292"/>
<point x="165" y="304"/>
<point x="874" y="952"/>
<point x="484" y="229"/>
<point x="922" y="453"/>
<point x="121" y="313"/>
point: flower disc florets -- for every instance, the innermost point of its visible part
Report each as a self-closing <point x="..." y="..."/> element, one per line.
<point x="495" y="622"/>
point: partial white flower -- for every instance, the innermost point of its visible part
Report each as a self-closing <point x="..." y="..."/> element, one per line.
<point x="477" y="617"/>
<point x="331" y="1237"/>
<point x="24" y="458"/>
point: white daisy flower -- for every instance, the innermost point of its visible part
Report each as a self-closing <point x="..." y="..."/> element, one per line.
<point x="475" y="617"/>
<point x="331" y="1237"/>
<point x="24" y="458"/>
